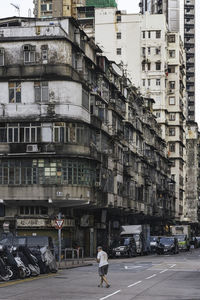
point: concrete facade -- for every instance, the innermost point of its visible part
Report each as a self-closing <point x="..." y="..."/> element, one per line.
<point x="155" y="60"/>
<point x="76" y="137"/>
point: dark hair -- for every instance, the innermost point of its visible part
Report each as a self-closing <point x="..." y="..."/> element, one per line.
<point x="99" y="248"/>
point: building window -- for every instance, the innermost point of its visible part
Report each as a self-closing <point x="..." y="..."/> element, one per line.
<point x="157" y="114"/>
<point x="172" y="85"/>
<point x="172" y="101"/>
<point x="171" y="69"/>
<point x="172" y="147"/>
<point x="14" y="92"/>
<point x="20" y="133"/>
<point x="149" y="34"/>
<point x="171" y="38"/>
<point x="44" y="55"/>
<point x="149" y="82"/>
<point x="119" y="35"/>
<point x="149" y="50"/>
<point x="149" y="66"/>
<point x="172" y="53"/>
<point x="59" y="132"/>
<point x="30" y="133"/>
<point x="172" y="131"/>
<point x="33" y="210"/>
<point x="143" y="34"/>
<point x="85" y="99"/>
<point x="47" y="171"/>
<point x="143" y="82"/>
<point x="173" y="164"/>
<point x="157" y="82"/>
<point x="119" y="51"/>
<point x="157" y="51"/>
<point x="29" y="54"/>
<point x="119" y="18"/>
<point x="172" y="116"/>
<point x="143" y="50"/>
<point x="1" y="57"/>
<point x="143" y="66"/>
<point x="41" y="91"/>
<point x="158" y="34"/>
<point x="158" y="66"/>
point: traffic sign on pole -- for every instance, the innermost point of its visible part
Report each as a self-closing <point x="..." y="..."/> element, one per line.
<point x="59" y="223"/>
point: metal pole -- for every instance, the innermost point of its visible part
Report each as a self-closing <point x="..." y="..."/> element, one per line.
<point x="59" y="240"/>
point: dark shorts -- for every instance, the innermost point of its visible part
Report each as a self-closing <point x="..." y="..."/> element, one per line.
<point x="103" y="270"/>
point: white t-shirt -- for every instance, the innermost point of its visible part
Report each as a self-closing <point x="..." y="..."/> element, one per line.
<point x="103" y="258"/>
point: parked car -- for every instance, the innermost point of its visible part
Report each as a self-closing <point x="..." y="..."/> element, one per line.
<point x="195" y="242"/>
<point x="153" y="243"/>
<point x="123" y="247"/>
<point x="183" y="242"/>
<point x="167" y="245"/>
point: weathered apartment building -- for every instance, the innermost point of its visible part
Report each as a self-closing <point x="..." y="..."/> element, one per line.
<point x="57" y="8"/>
<point x="76" y="137"/>
<point x="155" y="60"/>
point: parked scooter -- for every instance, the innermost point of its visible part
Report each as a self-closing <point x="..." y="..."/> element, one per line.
<point x="5" y="271"/>
<point x="29" y="259"/>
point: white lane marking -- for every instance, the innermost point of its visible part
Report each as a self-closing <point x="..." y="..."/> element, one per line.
<point x="163" y="271"/>
<point x="172" y="266"/>
<point x="132" y="267"/>
<point x="151" y="276"/>
<point x="134" y="283"/>
<point x="110" y="295"/>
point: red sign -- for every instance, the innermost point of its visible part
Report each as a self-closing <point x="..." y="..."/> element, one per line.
<point x="59" y="223"/>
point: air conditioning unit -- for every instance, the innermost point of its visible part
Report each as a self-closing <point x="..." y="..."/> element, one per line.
<point x="32" y="148"/>
<point x="26" y="47"/>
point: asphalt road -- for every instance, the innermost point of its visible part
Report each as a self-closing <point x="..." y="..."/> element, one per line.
<point x="154" y="277"/>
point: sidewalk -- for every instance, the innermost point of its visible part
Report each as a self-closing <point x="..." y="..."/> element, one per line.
<point x="70" y="264"/>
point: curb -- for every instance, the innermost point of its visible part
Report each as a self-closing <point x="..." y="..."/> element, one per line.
<point x="74" y="266"/>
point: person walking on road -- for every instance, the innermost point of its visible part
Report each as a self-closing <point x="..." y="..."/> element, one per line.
<point x="102" y="259"/>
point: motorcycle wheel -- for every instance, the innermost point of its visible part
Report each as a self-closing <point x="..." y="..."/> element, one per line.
<point x="28" y="272"/>
<point x="22" y="273"/>
<point x="5" y="278"/>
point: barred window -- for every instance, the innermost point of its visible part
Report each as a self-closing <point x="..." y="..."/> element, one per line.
<point x="43" y="171"/>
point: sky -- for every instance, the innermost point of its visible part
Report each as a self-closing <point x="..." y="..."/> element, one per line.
<point x="131" y="6"/>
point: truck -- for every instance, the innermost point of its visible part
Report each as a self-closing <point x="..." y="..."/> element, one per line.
<point x="183" y="234"/>
<point x="141" y="234"/>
